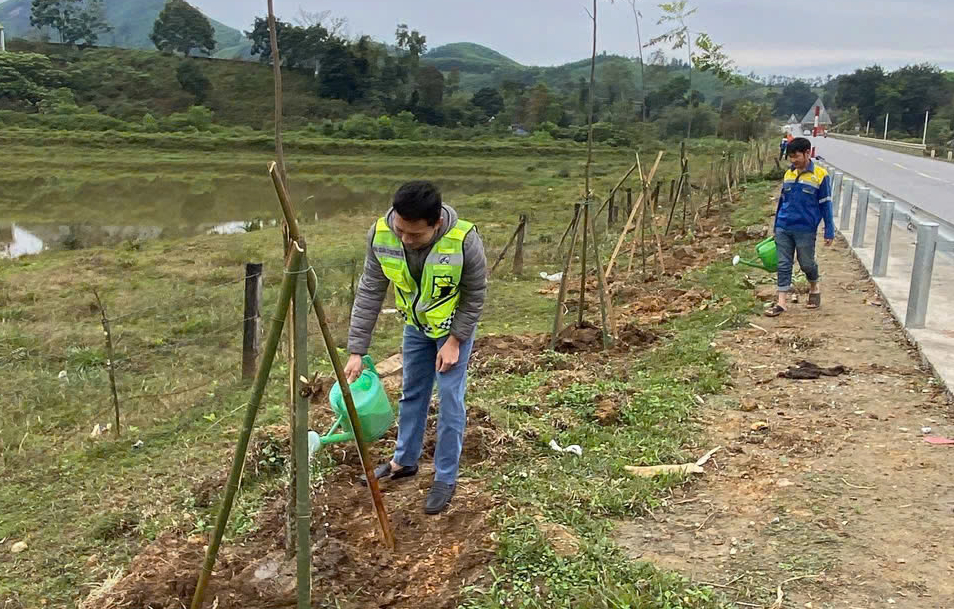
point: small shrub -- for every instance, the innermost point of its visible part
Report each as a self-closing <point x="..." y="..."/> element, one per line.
<point x="113" y="524"/>
<point x="149" y="124"/>
<point x="360" y="126"/>
<point x="385" y="128"/>
<point x="200" y="118"/>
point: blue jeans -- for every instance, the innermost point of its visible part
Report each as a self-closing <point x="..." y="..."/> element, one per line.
<point x="420" y="370"/>
<point x="789" y="244"/>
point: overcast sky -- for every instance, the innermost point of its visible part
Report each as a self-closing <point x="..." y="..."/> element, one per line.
<point x="803" y="38"/>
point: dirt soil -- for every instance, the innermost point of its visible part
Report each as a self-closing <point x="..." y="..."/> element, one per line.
<point x="824" y="493"/>
<point x="434" y="556"/>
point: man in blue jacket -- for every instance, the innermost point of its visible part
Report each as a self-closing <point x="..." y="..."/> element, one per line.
<point x="804" y="203"/>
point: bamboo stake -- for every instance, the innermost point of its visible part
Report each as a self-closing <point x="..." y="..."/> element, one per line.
<point x="110" y="362"/>
<point x="561" y="295"/>
<point x="606" y="300"/>
<point x="506" y="248"/>
<point x="586" y="223"/>
<point x="728" y="183"/>
<point x="629" y="221"/>
<point x="303" y="499"/>
<point x="652" y="221"/>
<point x="709" y="189"/>
<point x="636" y="239"/>
<point x="646" y="218"/>
<point x="258" y="390"/>
<point x="641" y="223"/>
<point x="675" y="202"/>
<point x="618" y="185"/>
<point x="688" y="209"/>
<point x="576" y="213"/>
<point x="332" y="347"/>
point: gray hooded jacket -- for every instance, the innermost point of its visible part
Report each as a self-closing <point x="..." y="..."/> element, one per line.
<point x="373" y="286"/>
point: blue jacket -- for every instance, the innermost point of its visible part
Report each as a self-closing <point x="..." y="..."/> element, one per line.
<point x="806" y="201"/>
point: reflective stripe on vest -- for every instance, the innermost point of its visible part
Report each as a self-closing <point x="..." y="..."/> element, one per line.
<point x="431" y="309"/>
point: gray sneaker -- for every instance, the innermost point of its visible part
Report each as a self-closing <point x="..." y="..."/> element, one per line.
<point x="438" y="497"/>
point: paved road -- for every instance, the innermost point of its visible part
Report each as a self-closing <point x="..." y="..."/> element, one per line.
<point x="924" y="182"/>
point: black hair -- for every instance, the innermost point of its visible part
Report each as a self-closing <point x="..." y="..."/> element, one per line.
<point x="418" y="200"/>
<point x="799" y="145"/>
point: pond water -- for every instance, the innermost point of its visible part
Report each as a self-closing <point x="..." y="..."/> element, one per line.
<point x="70" y="198"/>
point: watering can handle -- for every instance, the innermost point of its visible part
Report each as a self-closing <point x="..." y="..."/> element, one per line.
<point x="369" y="364"/>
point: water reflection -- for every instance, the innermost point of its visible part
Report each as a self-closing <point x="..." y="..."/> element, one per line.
<point x="16" y="242"/>
<point x="19" y="240"/>
<point x="240" y="227"/>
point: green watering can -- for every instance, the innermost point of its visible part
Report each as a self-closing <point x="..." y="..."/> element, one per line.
<point x="370" y="402"/>
<point x="768" y="256"/>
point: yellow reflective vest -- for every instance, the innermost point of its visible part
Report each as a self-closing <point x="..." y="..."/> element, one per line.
<point x="430" y="307"/>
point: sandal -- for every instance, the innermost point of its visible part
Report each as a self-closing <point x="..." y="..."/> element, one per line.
<point x="775" y="311"/>
<point x="814" y="300"/>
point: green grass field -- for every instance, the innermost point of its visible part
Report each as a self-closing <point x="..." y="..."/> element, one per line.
<point x="87" y="505"/>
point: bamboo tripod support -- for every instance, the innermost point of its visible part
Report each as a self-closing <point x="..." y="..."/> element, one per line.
<point x="292" y="221"/>
<point x="258" y="390"/>
<point x="632" y="215"/>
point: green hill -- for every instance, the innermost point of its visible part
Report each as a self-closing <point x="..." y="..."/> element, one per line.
<point x="483" y="67"/>
<point x="128" y="83"/>
<point x="469" y="58"/>
<point x="132" y="23"/>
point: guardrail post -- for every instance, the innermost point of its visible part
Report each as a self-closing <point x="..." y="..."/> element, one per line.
<point x="879" y="267"/>
<point x="861" y="218"/>
<point x="950" y="155"/>
<point x="921" y="275"/>
<point x="836" y="191"/>
<point x="849" y="192"/>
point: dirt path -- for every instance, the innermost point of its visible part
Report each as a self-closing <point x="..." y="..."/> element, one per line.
<point x="826" y="484"/>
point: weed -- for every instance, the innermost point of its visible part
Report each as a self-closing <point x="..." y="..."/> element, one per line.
<point x="113" y="524"/>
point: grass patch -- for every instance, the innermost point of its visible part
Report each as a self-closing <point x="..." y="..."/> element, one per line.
<point x="655" y="397"/>
<point x="531" y="574"/>
<point x="177" y="306"/>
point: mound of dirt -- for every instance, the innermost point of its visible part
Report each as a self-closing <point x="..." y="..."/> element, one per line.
<point x="433" y="559"/>
<point x="524" y="354"/>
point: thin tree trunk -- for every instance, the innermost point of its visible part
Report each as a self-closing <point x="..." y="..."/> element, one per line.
<point x="290" y="524"/>
<point x="642" y="64"/>
<point x="277" y="70"/>
<point x="689" y="45"/>
<point x="589" y="138"/>
<point x="561" y="295"/>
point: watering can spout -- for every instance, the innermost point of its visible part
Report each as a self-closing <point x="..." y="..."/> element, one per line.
<point x="768" y="257"/>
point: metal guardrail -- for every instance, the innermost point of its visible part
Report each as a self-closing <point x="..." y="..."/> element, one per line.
<point x="881" y="141"/>
<point x="934" y="235"/>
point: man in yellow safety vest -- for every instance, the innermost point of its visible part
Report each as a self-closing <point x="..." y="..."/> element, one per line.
<point x="436" y="263"/>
